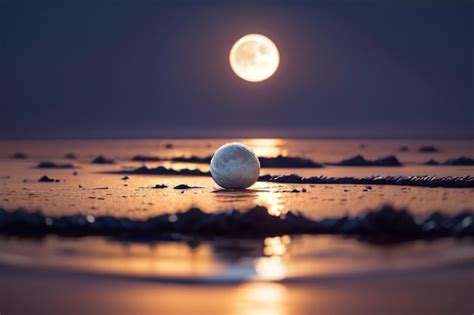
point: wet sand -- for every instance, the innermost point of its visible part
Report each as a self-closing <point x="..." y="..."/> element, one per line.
<point x="91" y="192"/>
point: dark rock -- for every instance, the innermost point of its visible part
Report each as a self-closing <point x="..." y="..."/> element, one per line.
<point x="265" y="178"/>
<point x="465" y="227"/>
<point x="144" y="158"/>
<point x="70" y="156"/>
<point x="287" y="162"/>
<point x="359" y="160"/>
<point x="52" y="165"/>
<point x="258" y="221"/>
<point x="461" y="161"/>
<point x="107" y="224"/>
<point x="289" y="179"/>
<point x="125" y="178"/>
<point x="192" y="159"/>
<point x="389" y="221"/>
<point x="219" y="224"/>
<point x="330" y="225"/>
<point x="186" y="221"/>
<point x="160" y="186"/>
<point x="102" y="160"/>
<point x="350" y="226"/>
<point x="427" y="149"/>
<point x="127" y="225"/>
<point x="390" y="160"/>
<point x="169" y="146"/>
<point x="184" y="186"/>
<point x="403" y="149"/>
<point x="297" y="224"/>
<point x="46" y="179"/>
<point x="158" y="224"/>
<point x="436" y="225"/>
<point x="432" y="162"/>
<point x="19" y="156"/>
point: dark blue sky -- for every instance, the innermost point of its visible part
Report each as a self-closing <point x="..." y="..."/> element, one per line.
<point x="155" y="68"/>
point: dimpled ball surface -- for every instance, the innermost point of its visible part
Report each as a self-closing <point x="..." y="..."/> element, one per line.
<point x="235" y="166"/>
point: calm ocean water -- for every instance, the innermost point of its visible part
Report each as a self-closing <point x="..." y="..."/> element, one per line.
<point x="319" y="150"/>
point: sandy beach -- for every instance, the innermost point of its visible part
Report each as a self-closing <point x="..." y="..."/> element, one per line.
<point x="280" y="274"/>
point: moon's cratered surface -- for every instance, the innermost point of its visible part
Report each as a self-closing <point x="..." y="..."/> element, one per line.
<point x="235" y="166"/>
<point x="254" y="58"/>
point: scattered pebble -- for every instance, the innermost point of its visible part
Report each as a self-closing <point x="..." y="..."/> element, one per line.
<point x="184" y="186"/>
<point x="19" y="156"/>
<point x="427" y="149"/>
<point x="160" y="186"/>
<point x="102" y="160"/>
<point x="46" y="179"/>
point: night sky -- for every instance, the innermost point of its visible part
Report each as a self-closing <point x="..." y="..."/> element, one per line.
<point x="119" y="69"/>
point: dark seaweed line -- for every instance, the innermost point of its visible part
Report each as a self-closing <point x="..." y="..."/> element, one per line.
<point x="419" y="181"/>
<point x="378" y="225"/>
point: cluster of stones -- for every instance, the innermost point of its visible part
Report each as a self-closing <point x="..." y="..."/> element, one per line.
<point x="383" y="223"/>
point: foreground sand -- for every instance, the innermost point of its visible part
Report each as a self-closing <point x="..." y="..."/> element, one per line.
<point x="434" y="292"/>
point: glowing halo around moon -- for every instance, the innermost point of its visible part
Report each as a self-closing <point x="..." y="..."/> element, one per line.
<point x="254" y="58"/>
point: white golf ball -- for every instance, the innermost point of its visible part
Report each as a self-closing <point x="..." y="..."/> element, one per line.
<point x="235" y="166"/>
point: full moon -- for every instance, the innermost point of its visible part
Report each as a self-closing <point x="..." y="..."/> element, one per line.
<point x="235" y="166"/>
<point x="254" y="58"/>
